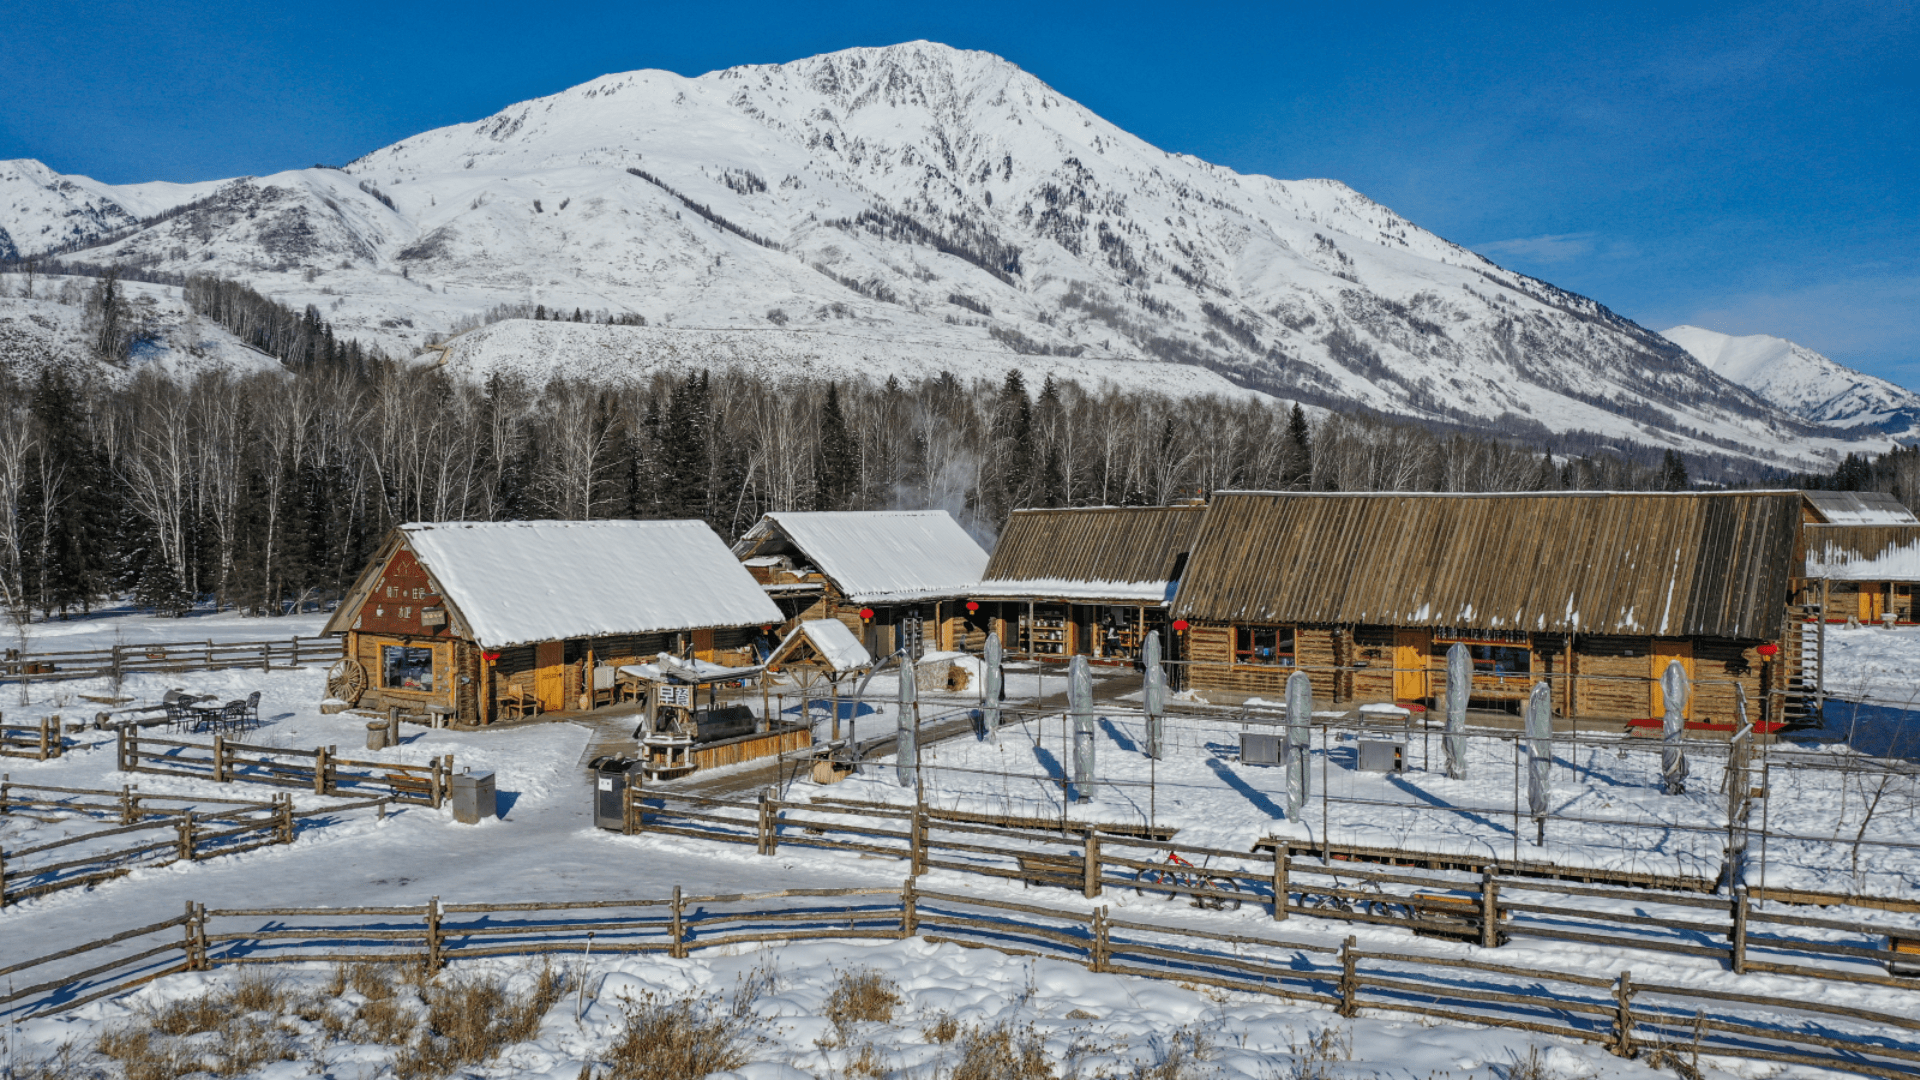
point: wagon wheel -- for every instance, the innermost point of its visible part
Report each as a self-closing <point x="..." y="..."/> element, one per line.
<point x="346" y="680"/>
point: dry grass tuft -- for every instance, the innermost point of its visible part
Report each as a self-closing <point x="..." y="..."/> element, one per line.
<point x="862" y="995"/>
<point x="1322" y="1056"/>
<point x="63" y="1064"/>
<point x="1001" y="1052"/>
<point x="684" y="1039"/>
<point x="943" y="1029"/>
<point x="1180" y="1060"/>
<point x="470" y="1020"/>
<point x="865" y="1063"/>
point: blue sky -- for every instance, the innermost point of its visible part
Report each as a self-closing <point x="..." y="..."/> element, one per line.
<point x="1748" y="168"/>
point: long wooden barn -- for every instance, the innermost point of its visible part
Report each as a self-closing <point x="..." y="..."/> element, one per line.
<point x="1596" y="592"/>
<point x="1863" y="548"/>
<point x="908" y="569"/>
<point x="1089" y="581"/>
<point x="474" y="621"/>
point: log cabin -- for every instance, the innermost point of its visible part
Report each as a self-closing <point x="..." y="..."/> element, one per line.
<point x="1863" y="550"/>
<point x="906" y="570"/>
<point x="480" y="621"/>
<point x="1595" y="592"/>
<point x="1089" y="581"/>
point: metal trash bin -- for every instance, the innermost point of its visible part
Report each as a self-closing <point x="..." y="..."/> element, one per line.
<point x="473" y="797"/>
<point x="1260" y="748"/>
<point x="610" y="791"/>
<point x="1383" y="755"/>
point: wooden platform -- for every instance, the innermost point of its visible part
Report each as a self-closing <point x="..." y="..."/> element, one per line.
<point x="1301" y="849"/>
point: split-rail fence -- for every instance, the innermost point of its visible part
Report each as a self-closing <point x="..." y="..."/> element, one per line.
<point x="1628" y="1016"/>
<point x="120" y="660"/>
<point x="162" y="829"/>
<point x="320" y="770"/>
<point x="39" y="742"/>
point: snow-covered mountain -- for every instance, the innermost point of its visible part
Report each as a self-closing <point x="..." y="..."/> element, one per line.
<point x="861" y="199"/>
<point x="1802" y="381"/>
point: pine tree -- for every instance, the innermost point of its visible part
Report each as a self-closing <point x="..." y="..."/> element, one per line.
<point x="686" y="452"/>
<point x="1673" y="472"/>
<point x="836" y="472"/>
<point x="1299" y="455"/>
<point x="66" y="503"/>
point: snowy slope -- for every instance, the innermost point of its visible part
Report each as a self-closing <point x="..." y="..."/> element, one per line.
<point x="50" y="328"/>
<point x="1802" y="381"/>
<point x="921" y="192"/>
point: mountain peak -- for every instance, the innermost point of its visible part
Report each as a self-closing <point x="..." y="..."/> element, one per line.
<point x="1802" y="381"/>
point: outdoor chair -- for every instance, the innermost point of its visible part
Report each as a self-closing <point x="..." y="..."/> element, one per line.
<point x="233" y="716"/>
<point x="179" y="717"/>
<point x="517" y="702"/>
<point x="252" y="717"/>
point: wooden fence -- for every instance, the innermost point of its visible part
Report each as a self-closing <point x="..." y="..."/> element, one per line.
<point x="40" y="742"/>
<point x="1629" y="1017"/>
<point x="319" y="770"/>
<point x="119" y="660"/>
<point x="185" y="831"/>
<point x="1485" y="908"/>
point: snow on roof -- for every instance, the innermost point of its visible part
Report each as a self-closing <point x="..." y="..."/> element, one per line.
<point x="1144" y="592"/>
<point x="1861" y="508"/>
<point x="834" y="642"/>
<point x="878" y="556"/>
<point x="518" y="582"/>
<point x="1863" y="553"/>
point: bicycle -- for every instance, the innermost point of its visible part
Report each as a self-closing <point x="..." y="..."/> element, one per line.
<point x="1181" y="875"/>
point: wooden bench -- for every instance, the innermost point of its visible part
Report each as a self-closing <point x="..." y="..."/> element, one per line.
<point x="408" y="785"/>
<point x="1064" y="871"/>
<point x="1455" y="916"/>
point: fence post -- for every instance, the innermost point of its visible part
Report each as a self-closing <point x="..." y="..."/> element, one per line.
<point x="1349" y="982"/>
<point x="676" y="949"/>
<point x="1282" y="858"/>
<point x="3" y="878"/>
<point x="44" y="724"/>
<point x="630" y="820"/>
<point x="296" y="650"/>
<point x="286" y="818"/>
<point x="125" y="749"/>
<point x="219" y="759"/>
<point x="126" y="805"/>
<point x="917" y="842"/>
<point x="761" y="847"/>
<point x="1623" y="1015"/>
<point x="909" y="913"/>
<point x="1489" y="909"/>
<point x="1090" y="867"/>
<point x="433" y="935"/>
<point x="1100" y="932"/>
<point x="186" y="836"/>
<point x="190" y="944"/>
<point x="1737" y="945"/>
<point x="320" y="770"/>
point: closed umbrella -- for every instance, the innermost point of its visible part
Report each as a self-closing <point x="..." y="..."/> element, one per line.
<point x="1674" y="686"/>
<point x="1155" y="692"/>
<point x="990" y="712"/>
<point x="1539" y="748"/>
<point x="906" y="756"/>
<point x="1080" y="705"/>
<point x="1299" y="732"/>
<point x="1459" y="682"/>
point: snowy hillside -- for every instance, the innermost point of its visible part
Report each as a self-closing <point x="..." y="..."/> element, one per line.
<point x="1802" y="381"/>
<point x="51" y="326"/>
<point x="852" y="202"/>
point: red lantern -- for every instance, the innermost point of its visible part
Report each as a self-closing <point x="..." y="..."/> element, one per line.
<point x="1180" y="625"/>
<point x="866" y="614"/>
<point x="490" y="657"/>
<point x="973" y="605"/>
<point x="1768" y="651"/>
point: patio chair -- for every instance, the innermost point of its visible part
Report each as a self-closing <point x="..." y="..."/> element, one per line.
<point x="233" y="716"/>
<point x="179" y="716"/>
<point x="516" y="701"/>
<point x="252" y="718"/>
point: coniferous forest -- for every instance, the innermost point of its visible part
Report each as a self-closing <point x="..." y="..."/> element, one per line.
<point x="268" y="491"/>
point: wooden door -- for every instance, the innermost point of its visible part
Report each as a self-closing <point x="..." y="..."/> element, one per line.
<point x="1410" y="649"/>
<point x="1665" y="652"/>
<point x="703" y="645"/>
<point x="1873" y="601"/>
<point x="550" y="675"/>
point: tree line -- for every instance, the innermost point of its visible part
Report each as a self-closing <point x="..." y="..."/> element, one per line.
<point x="261" y="491"/>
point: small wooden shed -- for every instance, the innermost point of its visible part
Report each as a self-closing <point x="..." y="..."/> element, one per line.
<point x="1595" y="592"/>
<point x="1863" y="547"/>
<point x="907" y="567"/>
<point x="478" y="620"/>
<point x="1089" y="581"/>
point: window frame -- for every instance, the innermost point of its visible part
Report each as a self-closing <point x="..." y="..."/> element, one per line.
<point x="1287" y="658"/>
<point x="433" y="664"/>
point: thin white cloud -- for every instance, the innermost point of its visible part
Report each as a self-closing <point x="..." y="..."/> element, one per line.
<point x="1548" y="250"/>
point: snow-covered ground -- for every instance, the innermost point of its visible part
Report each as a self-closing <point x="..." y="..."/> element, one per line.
<point x="122" y="625"/>
<point x="1874" y="664"/>
<point x="544" y="847"/>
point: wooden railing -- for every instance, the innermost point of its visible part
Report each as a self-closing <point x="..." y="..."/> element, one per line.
<point x="319" y="770"/>
<point x="1484" y="908"/>
<point x="165" y="829"/>
<point x="39" y="742"/>
<point x="1629" y="1018"/>
<point x="119" y="660"/>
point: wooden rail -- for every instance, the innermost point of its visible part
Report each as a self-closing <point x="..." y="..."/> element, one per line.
<point x="40" y="742"/>
<point x="1627" y="1017"/>
<point x="209" y="655"/>
<point x="184" y="833"/>
<point x="1484" y="908"/>
<point x="318" y="770"/>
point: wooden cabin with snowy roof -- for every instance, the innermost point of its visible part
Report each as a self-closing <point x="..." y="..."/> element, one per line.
<point x="1863" y="548"/>
<point x="479" y="621"/>
<point x="1594" y="592"/>
<point x="908" y="571"/>
<point x="1089" y="581"/>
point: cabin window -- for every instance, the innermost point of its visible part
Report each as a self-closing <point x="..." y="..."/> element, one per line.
<point x="1501" y="659"/>
<point x="1266" y="646"/>
<point x="406" y="668"/>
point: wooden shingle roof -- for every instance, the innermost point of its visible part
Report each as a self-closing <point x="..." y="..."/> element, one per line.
<point x="1863" y="552"/>
<point x="1664" y="565"/>
<point x="1098" y="552"/>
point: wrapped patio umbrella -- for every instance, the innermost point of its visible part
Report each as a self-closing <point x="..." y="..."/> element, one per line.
<point x="1299" y="732"/>
<point x="1459" y="682"/>
<point x="1080" y="706"/>
<point x="1539" y="748"/>
<point x="906" y="753"/>
<point x="1674" y="687"/>
<point x="1155" y="692"/>
<point x="990" y="688"/>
